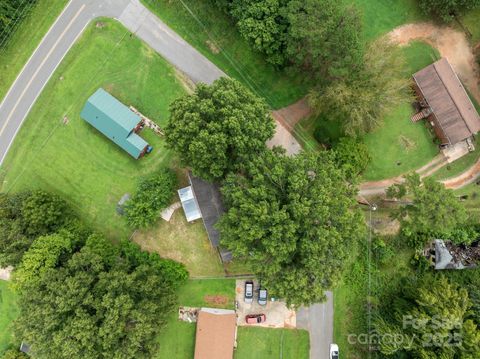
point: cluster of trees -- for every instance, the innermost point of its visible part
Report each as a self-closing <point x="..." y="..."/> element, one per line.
<point x="322" y="37"/>
<point x="153" y="194"/>
<point x="80" y="295"/>
<point x="431" y="211"/>
<point x="218" y="128"/>
<point x="11" y="12"/>
<point x="292" y="218"/>
<point x="431" y="318"/>
<point x="447" y="10"/>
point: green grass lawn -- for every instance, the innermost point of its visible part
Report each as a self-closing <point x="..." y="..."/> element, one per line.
<point x="211" y="32"/>
<point x="266" y="343"/>
<point x="25" y="39"/>
<point x="8" y="312"/>
<point x="381" y="16"/>
<point x="472" y="22"/>
<point x="75" y="160"/>
<point x="472" y="200"/>
<point x="185" y="242"/>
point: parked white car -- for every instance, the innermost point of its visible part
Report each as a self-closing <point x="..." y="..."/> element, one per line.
<point x="334" y="351"/>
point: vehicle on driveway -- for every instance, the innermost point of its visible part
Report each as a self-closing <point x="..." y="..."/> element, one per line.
<point x="334" y="351"/>
<point x="248" y="291"/>
<point x="255" y="318"/>
<point x="262" y="296"/>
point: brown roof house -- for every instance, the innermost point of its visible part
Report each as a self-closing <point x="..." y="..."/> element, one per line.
<point x="442" y="99"/>
<point x="216" y="334"/>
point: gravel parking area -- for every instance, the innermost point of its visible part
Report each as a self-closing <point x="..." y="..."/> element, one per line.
<point x="277" y="313"/>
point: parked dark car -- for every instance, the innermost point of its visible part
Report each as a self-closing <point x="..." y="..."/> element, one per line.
<point x="255" y="318"/>
<point x="248" y="291"/>
<point x="262" y="296"/>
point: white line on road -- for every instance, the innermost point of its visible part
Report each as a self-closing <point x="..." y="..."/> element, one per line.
<point x="40" y="67"/>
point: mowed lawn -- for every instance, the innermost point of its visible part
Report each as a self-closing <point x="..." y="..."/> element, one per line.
<point x="212" y="32"/>
<point x="75" y="160"/>
<point x="8" y="312"/>
<point x="26" y="36"/>
<point x="266" y="343"/>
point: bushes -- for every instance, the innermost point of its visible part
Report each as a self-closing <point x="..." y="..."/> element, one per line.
<point x="11" y="12"/>
<point x="152" y="195"/>
<point x="352" y="155"/>
<point x="446" y="10"/>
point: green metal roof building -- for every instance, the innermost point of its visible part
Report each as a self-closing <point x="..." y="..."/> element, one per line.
<point x="116" y="121"/>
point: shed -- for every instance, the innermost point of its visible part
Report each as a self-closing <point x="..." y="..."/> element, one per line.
<point x="216" y="334"/>
<point x="445" y="103"/>
<point x="189" y="204"/>
<point x="210" y="202"/>
<point x="116" y="121"/>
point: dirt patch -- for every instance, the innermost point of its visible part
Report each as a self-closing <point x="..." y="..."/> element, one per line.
<point x="185" y="81"/>
<point x="216" y="299"/>
<point x="213" y="47"/>
<point x="100" y="25"/>
<point x="451" y="44"/>
<point x="407" y="143"/>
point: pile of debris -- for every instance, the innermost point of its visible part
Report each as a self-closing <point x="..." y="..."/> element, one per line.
<point x="148" y="122"/>
<point x="446" y="255"/>
<point x="188" y="314"/>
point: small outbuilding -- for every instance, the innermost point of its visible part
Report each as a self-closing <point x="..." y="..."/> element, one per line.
<point x="189" y="204"/>
<point x="216" y="334"/>
<point x="115" y="121"/>
<point x="442" y="100"/>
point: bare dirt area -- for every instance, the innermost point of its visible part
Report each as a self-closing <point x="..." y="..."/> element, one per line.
<point x="451" y="44"/>
<point x="277" y="313"/>
<point x="216" y="299"/>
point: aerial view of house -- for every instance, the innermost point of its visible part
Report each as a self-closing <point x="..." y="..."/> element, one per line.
<point x="238" y="179"/>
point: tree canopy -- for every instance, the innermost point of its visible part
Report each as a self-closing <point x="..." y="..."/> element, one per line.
<point x="432" y="319"/>
<point x="446" y="10"/>
<point x="218" y="128"/>
<point x="11" y="12"/>
<point x="292" y="219"/>
<point x="361" y="101"/>
<point x="153" y="194"/>
<point x="99" y="302"/>
<point x="25" y="216"/>
<point x="352" y="155"/>
<point x="434" y="211"/>
<point x="324" y="38"/>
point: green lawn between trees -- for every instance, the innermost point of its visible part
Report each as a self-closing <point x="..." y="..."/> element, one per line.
<point x="8" y="312"/>
<point x="73" y="159"/>
<point x="178" y="338"/>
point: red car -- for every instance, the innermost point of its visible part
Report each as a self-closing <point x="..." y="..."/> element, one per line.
<point x="255" y="318"/>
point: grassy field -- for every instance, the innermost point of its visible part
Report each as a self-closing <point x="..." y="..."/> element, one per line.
<point x="25" y="39"/>
<point x="262" y="343"/>
<point x="381" y="16"/>
<point x="194" y="249"/>
<point x="8" y="312"/>
<point x="472" y="22"/>
<point x="211" y="32"/>
<point x="472" y="200"/>
<point x="74" y="159"/>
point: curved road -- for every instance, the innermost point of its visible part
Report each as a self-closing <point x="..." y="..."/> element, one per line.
<point x="16" y="105"/>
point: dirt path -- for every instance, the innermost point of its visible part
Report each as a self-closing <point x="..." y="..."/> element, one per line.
<point x="451" y="44"/>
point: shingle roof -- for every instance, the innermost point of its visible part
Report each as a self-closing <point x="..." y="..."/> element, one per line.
<point x="448" y="100"/>
<point x="114" y="120"/>
<point x="215" y="334"/>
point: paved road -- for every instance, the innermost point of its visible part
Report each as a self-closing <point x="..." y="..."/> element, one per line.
<point x="135" y="17"/>
<point x="318" y="320"/>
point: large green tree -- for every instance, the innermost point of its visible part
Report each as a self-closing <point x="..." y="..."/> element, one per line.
<point x="361" y="101"/>
<point x="432" y="212"/>
<point x="25" y="216"/>
<point x="264" y="24"/>
<point x="430" y="319"/>
<point x="447" y="10"/>
<point x="98" y="303"/>
<point x="293" y="220"/>
<point x="218" y="128"/>
<point x="324" y="38"/>
<point x="153" y="194"/>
